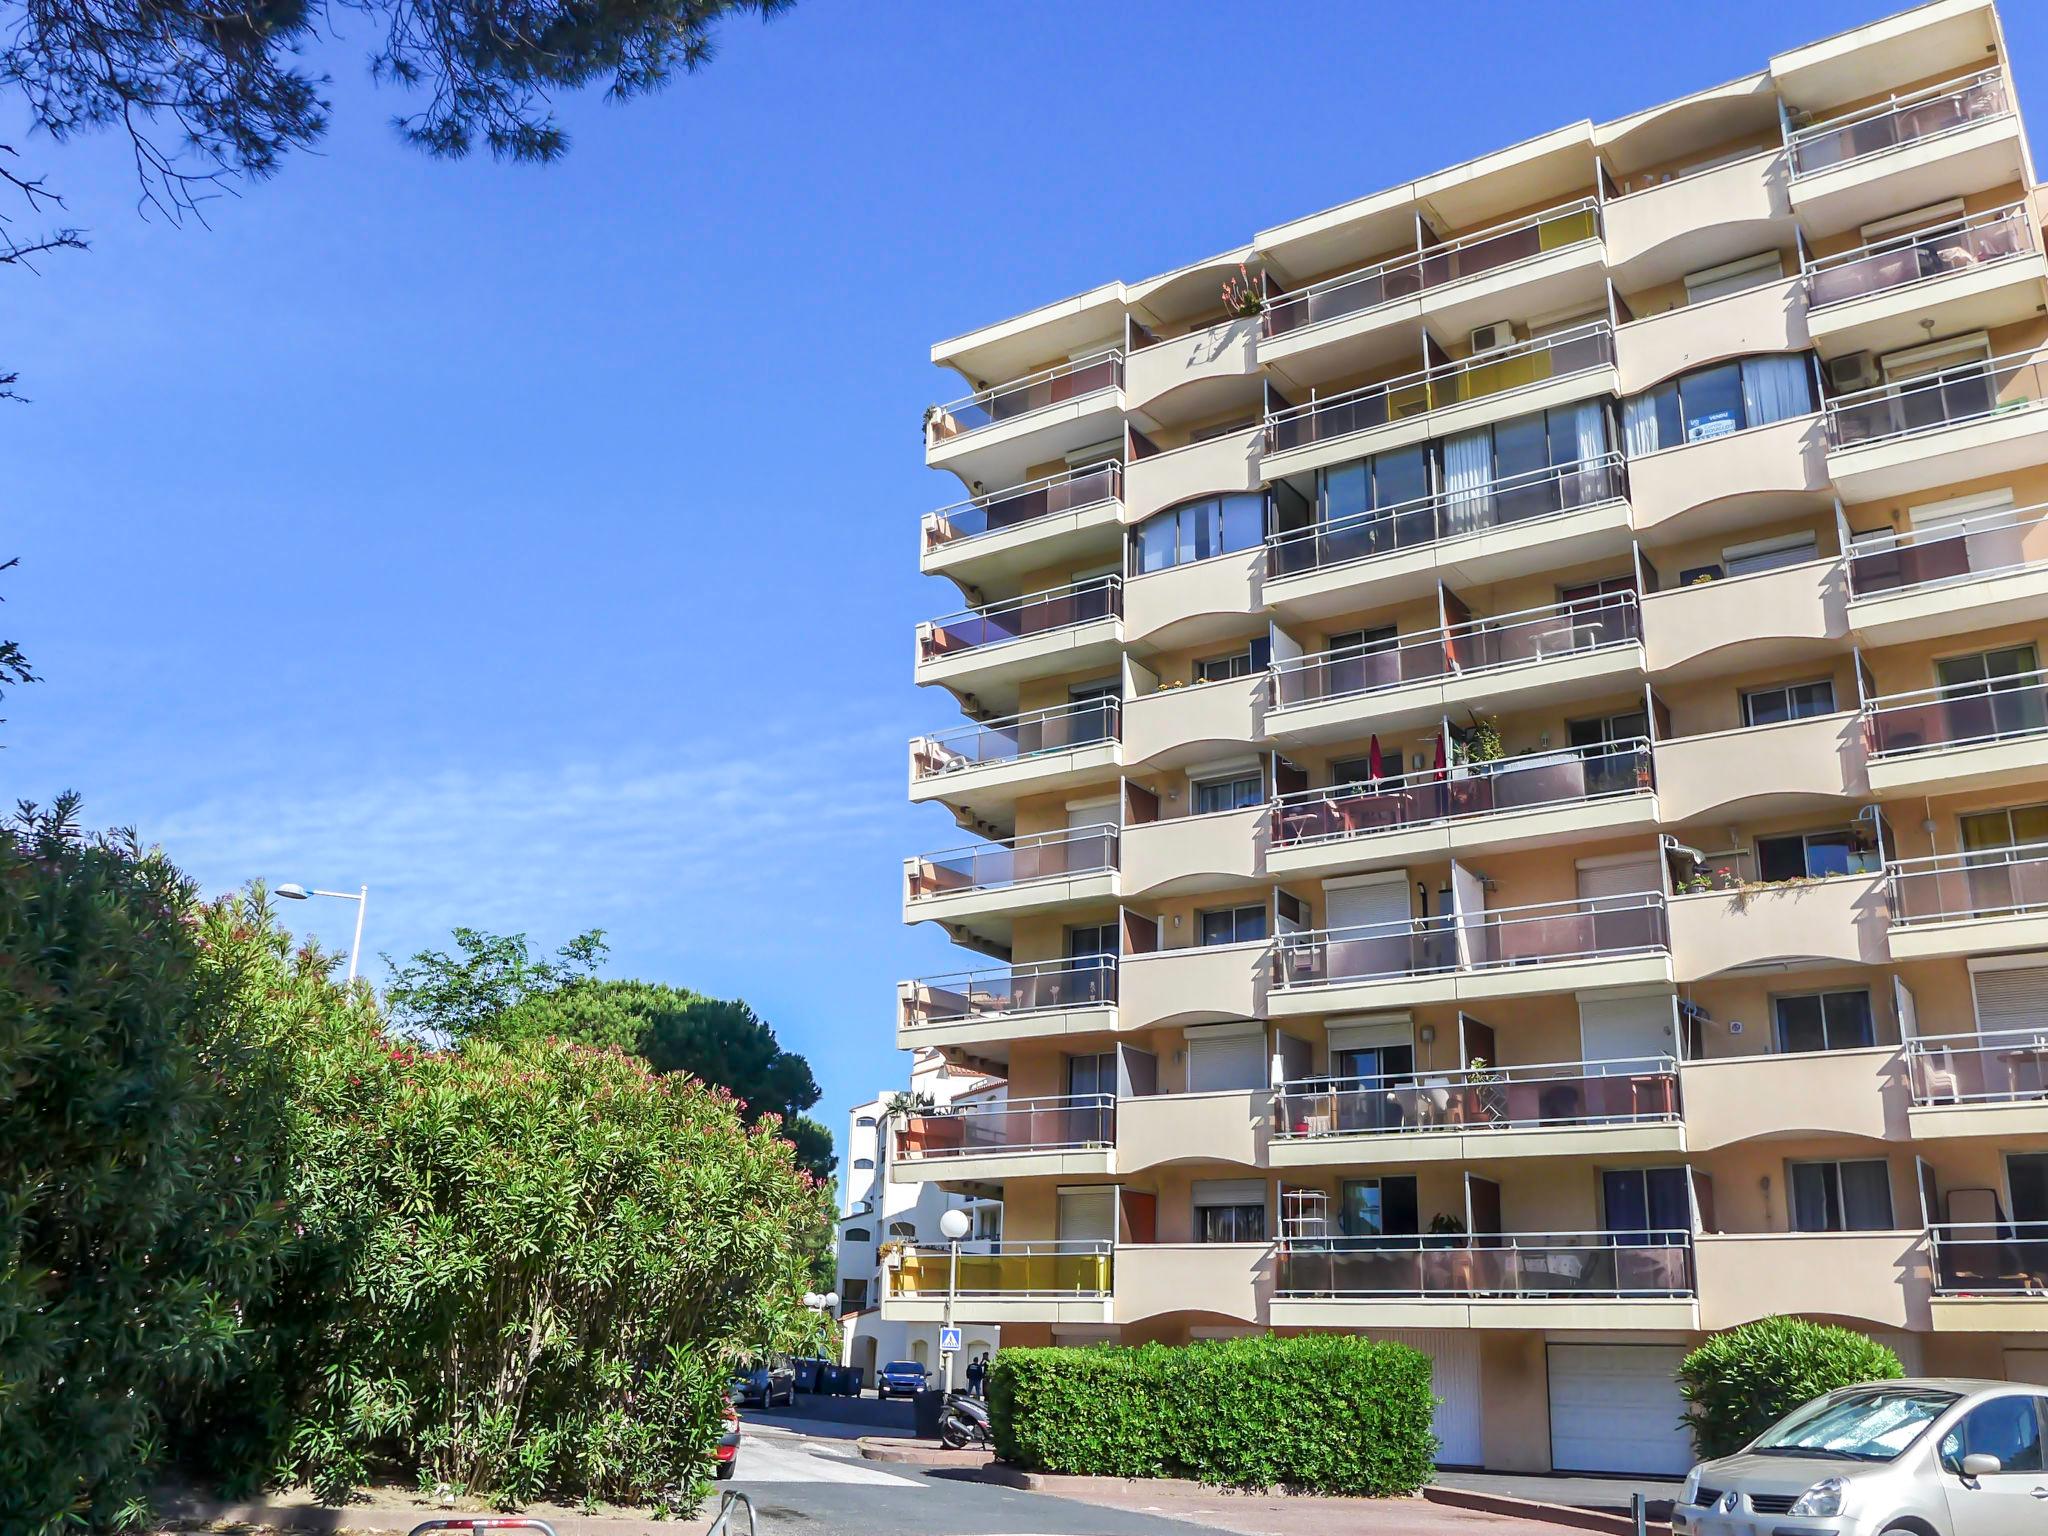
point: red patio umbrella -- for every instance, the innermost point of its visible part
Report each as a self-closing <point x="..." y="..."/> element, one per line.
<point x="1442" y="767"/>
<point x="1372" y="758"/>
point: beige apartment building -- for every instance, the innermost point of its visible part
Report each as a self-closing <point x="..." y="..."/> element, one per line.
<point x="1503" y="792"/>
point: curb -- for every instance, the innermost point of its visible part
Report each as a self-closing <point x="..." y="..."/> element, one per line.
<point x="1555" y="1514"/>
<point x="921" y="1453"/>
<point x="184" y="1512"/>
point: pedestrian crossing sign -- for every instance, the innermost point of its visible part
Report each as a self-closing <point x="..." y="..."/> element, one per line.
<point x="949" y="1341"/>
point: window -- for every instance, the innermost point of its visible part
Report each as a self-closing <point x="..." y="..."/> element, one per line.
<point x="2006" y="1427"/>
<point x="1770" y="554"/>
<point x="1230" y="1224"/>
<point x="1593" y="734"/>
<point x="865" y="1121"/>
<point x="1823" y="1021"/>
<point x="904" y="1230"/>
<point x="1235" y="925"/>
<point x="1646" y="1206"/>
<point x="1253" y="658"/>
<point x="2019" y="826"/>
<point x="1715" y="401"/>
<point x="1093" y="939"/>
<point x="1842" y="1197"/>
<point x="1733" y="277"/>
<point x="1379" y="1207"/>
<point x="1201" y="530"/>
<point x="1813" y="856"/>
<point x="863" y="1162"/>
<point x="1207" y="797"/>
<point x="858" y="1235"/>
<point x="853" y="1294"/>
<point x="1788" y="701"/>
<point x="1368" y="485"/>
<point x="2008" y="666"/>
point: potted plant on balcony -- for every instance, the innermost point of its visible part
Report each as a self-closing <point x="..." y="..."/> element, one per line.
<point x="1447" y="1256"/>
<point x="1243" y="294"/>
<point x="1490" y="1090"/>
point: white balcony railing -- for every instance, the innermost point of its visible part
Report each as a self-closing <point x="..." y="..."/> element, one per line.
<point x="1010" y="991"/>
<point x="1634" y="1091"/>
<point x="1021" y="618"/>
<point x="1967" y="549"/>
<point x="1961" y="715"/>
<point x="1897" y="122"/>
<point x="1014" y="861"/>
<point x="1065" y="1122"/>
<point x="1017" y="738"/>
<point x="1990" y="1258"/>
<point x="1057" y="385"/>
<point x="1954" y="887"/>
<point x="2004" y="1066"/>
<point x="1975" y="391"/>
<point x="1500" y="1266"/>
<point x="1979" y="241"/>
<point x="1019" y="506"/>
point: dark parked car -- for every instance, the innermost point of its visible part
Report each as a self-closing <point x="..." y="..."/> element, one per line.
<point x="766" y="1385"/>
<point x="901" y="1378"/>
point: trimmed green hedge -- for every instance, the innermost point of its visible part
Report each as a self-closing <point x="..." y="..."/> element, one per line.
<point x="1326" y="1412"/>
<point x="1741" y="1382"/>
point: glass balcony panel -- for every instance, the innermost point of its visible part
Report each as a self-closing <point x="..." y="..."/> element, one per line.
<point x="1054" y="386"/>
<point x="1488" y="1265"/>
<point x="2000" y="1067"/>
<point x="1038" y="614"/>
<point x="991" y="866"/>
<point x="1026" y="504"/>
<point x="2003" y="708"/>
<point x="1012" y="1125"/>
<point x="1020" y="736"/>
<point x="1084" y="982"/>
<point x="1480" y="1099"/>
<point x="1911" y="120"/>
<point x="2006" y="1258"/>
<point x="1896" y="263"/>
<point x="1946" y="399"/>
<point x="2010" y="539"/>
<point x="1588" y="624"/>
<point x="1951" y="887"/>
<point x="1008" y="1270"/>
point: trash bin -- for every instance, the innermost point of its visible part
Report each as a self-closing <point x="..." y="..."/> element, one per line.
<point x="856" y="1380"/>
<point x="928" y="1404"/>
<point x="807" y="1375"/>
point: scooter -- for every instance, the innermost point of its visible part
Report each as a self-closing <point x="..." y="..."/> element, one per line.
<point x="964" y="1422"/>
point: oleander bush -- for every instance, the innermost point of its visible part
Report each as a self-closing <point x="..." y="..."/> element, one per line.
<point x="1324" y="1413"/>
<point x="1741" y="1382"/>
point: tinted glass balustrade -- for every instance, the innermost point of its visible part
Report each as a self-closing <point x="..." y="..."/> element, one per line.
<point x="1039" y="614"/>
<point x="1476" y="789"/>
<point x="1436" y="389"/>
<point x="991" y="866"/>
<point x="1592" y="928"/>
<point x="1950" y="398"/>
<point x="1655" y="1264"/>
<point x="1448" y="515"/>
<point x="1085" y="982"/>
<point x="2007" y="1066"/>
<point x="1589" y="624"/>
<point x="1963" y="715"/>
<point x="1011" y="1125"/>
<point x="1912" y="119"/>
<point x="1897" y="263"/>
<point x="1025" y="504"/>
<point x="1008" y="1269"/>
<point x="1493" y="1098"/>
<point x="2003" y="1258"/>
<point x="1006" y="402"/>
<point x="1472" y="256"/>
<point x="1952" y="887"/>
<point x="1028" y="735"/>
<point x="1964" y="549"/>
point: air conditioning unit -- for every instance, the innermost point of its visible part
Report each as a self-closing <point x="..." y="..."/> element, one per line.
<point x="1851" y="372"/>
<point x="1491" y="338"/>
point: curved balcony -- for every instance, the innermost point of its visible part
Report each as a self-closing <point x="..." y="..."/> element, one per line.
<point x="1172" y="726"/>
<point x="1157" y="1130"/>
<point x="1547" y="947"/>
<point x="1841" y="920"/>
<point x="1195" y="984"/>
<point x="1719" y="484"/>
<point x="995" y="434"/>
<point x="1983" y="274"/>
<point x="1436" y="402"/>
<point x="1545" y="261"/>
<point x="1993" y="1083"/>
<point x="1005" y="1282"/>
<point x="1910" y="151"/>
<point x="1771" y="1095"/>
<point x="1563" y="1109"/>
<point x="1005" y="879"/>
<point x="1068" y="517"/>
<point x="1185" y="854"/>
<point x="1558" y="517"/>
<point x="1760" y="771"/>
<point x="1063" y="1134"/>
<point x="1654" y="234"/>
<point x="1552" y="654"/>
<point x="1158" y="478"/>
<point x="1739" y="623"/>
<point x="1969" y="903"/>
<point x="989" y="650"/>
<point x="1231" y="1281"/>
<point x="1195" y="602"/>
<point x="1533" y="801"/>
<point x="981" y="767"/>
<point x="1927" y="583"/>
<point x="1972" y="736"/>
<point x="1156" y="368"/>
<point x="1768" y="318"/>
<point x="1601" y="1280"/>
<point x="1044" y="999"/>
<point x="1965" y="423"/>
<point x="1871" y="1279"/>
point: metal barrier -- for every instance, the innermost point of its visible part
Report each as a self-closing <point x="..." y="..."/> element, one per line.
<point x="484" y="1523"/>
<point x="727" y="1503"/>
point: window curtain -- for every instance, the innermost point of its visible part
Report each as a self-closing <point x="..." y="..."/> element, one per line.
<point x="1468" y="470"/>
<point x="1582" y="431"/>
<point x="1639" y="424"/>
<point x="1776" y="389"/>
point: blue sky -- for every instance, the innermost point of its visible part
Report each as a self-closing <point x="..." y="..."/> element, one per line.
<point x="537" y="545"/>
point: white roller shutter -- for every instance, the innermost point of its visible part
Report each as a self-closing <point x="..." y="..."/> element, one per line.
<point x="1220" y="1064"/>
<point x="1088" y="1215"/>
<point x="1624" y="1030"/>
<point x="1378" y="902"/>
<point x="1615" y="1408"/>
<point x="2011" y="997"/>
<point x="1618" y="879"/>
<point x="1454" y="1379"/>
<point x="1229" y="1192"/>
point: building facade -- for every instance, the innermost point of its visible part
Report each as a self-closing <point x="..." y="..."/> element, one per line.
<point x="879" y="1215"/>
<point x="1505" y="763"/>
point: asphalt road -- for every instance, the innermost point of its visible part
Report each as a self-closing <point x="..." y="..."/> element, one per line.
<point x="802" y="1484"/>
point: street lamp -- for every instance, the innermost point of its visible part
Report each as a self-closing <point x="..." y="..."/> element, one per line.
<point x="362" y="900"/>
<point x="953" y="1225"/>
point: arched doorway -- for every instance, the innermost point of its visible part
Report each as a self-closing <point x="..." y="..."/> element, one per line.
<point x="920" y="1351"/>
<point x="866" y="1358"/>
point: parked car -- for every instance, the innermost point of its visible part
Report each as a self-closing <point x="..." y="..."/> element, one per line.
<point x="1929" y="1457"/>
<point x="766" y="1385"/>
<point x="900" y="1378"/>
<point x="726" y="1454"/>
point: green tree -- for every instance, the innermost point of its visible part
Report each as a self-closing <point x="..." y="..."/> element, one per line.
<point x="1741" y="1382"/>
<point x="140" y="1161"/>
<point x="444" y="997"/>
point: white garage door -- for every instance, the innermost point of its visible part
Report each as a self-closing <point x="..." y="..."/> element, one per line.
<point x="1615" y="1408"/>
<point x="1454" y="1378"/>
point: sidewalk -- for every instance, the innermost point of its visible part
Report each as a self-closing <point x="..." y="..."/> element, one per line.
<point x="393" y="1512"/>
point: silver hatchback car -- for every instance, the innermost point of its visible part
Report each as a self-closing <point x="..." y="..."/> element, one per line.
<point x="1929" y="1457"/>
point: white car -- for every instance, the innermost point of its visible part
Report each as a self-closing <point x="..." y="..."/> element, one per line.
<point x="1928" y="1457"/>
